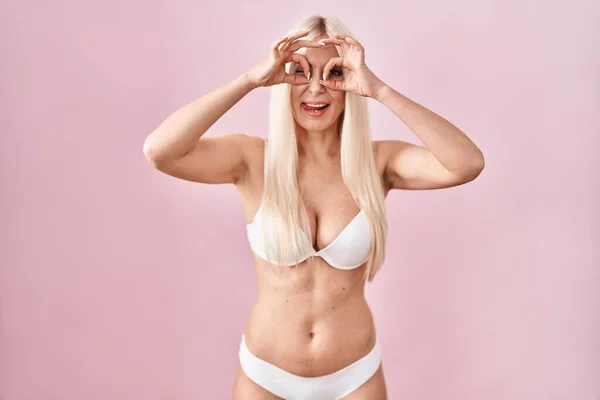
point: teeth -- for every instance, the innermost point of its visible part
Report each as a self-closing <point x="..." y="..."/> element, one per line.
<point x="317" y="105"/>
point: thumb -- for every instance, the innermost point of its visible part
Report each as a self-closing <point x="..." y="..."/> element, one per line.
<point x="332" y="84"/>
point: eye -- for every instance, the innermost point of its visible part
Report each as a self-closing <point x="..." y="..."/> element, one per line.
<point x="334" y="72"/>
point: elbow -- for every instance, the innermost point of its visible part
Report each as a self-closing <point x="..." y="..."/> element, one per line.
<point x="151" y="154"/>
<point x="479" y="163"/>
<point x="477" y="166"/>
<point x="147" y="150"/>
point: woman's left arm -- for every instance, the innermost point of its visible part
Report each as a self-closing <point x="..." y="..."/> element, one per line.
<point x="449" y="157"/>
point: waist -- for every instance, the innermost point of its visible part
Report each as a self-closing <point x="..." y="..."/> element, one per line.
<point x="310" y="336"/>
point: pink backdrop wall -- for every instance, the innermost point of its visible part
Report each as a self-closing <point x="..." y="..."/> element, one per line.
<point x="119" y="282"/>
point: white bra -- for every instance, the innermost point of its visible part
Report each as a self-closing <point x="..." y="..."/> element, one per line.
<point x="349" y="250"/>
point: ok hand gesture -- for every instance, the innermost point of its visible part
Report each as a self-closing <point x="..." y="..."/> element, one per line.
<point x="271" y="71"/>
<point x="359" y="79"/>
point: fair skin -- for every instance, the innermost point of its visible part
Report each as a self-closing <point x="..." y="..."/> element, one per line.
<point x="317" y="137"/>
<point x="321" y="322"/>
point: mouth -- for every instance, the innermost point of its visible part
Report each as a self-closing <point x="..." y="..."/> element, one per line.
<point x="315" y="109"/>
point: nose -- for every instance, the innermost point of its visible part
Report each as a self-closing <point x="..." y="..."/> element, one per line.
<point x="314" y="86"/>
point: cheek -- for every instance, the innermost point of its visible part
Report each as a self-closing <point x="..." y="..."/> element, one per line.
<point x="339" y="95"/>
<point x="294" y="96"/>
<point x="340" y="100"/>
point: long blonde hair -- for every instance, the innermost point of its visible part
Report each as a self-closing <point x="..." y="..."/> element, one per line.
<point x="283" y="209"/>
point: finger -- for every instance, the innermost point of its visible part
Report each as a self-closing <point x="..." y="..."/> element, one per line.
<point x="293" y="37"/>
<point x="351" y="40"/>
<point x="334" y="85"/>
<point x="275" y="45"/>
<point x="340" y="35"/>
<point x="298" y="34"/>
<point x="332" y="40"/>
<point x="347" y="38"/>
<point x="296" y="79"/>
<point x="332" y="63"/>
<point x="303" y="43"/>
<point x="301" y="59"/>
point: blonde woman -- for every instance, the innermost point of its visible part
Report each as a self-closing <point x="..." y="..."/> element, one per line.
<point x="314" y="201"/>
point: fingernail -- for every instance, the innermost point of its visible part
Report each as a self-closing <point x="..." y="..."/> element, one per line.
<point x="309" y="76"/>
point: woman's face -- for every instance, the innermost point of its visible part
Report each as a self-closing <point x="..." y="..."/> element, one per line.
<point x="314" y="92"/>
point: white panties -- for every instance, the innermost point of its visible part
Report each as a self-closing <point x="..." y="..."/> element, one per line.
<point x="289" y="386"/>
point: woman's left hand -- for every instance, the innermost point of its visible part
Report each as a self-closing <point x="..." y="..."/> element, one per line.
<point x="358" y="78"/>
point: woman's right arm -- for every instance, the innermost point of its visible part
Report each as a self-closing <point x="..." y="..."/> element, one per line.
<point x="175" y="149"/>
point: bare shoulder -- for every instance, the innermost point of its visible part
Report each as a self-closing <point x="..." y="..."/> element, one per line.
<point x="254" y="150"/>
<point x="254" y="143"/>
<point x="251" y="146"/>
<point x="380" y="147"/>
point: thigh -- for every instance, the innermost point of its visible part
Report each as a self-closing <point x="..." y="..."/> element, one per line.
<point x="373" y="389"/>
<point x="245" y="388"/>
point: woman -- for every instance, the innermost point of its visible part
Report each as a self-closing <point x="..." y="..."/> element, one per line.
<point x="314" y="201"/>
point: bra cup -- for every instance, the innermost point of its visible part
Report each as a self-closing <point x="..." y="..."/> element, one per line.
<point x="256" y="242"/>
<point x="351" y="249"/>
<point x="257" y="245"/>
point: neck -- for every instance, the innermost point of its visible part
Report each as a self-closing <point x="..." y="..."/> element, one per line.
<point x="318" y="145"/>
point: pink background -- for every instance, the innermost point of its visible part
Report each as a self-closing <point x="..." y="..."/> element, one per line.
<point x="119" y="282"/>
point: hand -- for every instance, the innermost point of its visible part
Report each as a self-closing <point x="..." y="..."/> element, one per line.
<point x="271" y="71"/>
<point x="359" y="79"/>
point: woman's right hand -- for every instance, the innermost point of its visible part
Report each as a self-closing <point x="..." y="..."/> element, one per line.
<point x="271" y="71"/>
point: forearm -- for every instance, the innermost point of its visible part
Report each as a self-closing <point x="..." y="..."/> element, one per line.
<point x="449" y="144"/>
<point x="177" y="134"/>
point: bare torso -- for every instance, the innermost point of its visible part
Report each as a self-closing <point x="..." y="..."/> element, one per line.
<point x="319" y="322"/>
